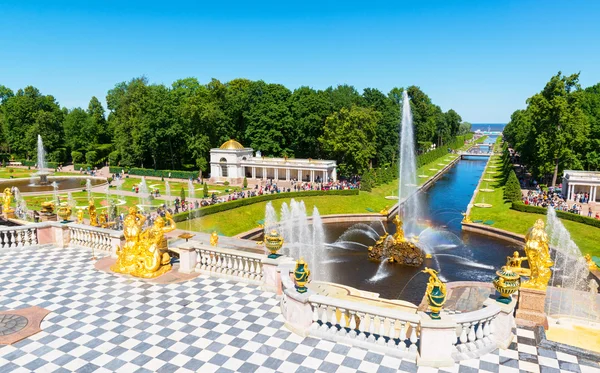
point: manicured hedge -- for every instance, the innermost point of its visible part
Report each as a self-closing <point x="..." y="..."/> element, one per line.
<point x="157" y="173"/>
<point x="25" y="162"/>
<point x="561" y="214"/>
<point x="224" y="206"/>
<point x="85" y="166"/>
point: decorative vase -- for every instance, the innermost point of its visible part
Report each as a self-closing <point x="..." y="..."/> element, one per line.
<point x="273" y="242"/>
<point x="506" y="283"/>
<point x="64" y="211"/>
<point x="301" y="274"/>
<point x="436" y="300"/>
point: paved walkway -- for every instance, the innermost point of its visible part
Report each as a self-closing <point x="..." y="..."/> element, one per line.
<point x="100" y="322"/>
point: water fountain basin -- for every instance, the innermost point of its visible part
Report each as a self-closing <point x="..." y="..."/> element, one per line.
<point x="64" y="183"/>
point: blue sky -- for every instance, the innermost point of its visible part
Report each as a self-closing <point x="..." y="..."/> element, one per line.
<point x="481" y="58"/>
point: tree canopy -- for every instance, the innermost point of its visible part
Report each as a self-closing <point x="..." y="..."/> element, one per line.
<point x="174" y="127"/>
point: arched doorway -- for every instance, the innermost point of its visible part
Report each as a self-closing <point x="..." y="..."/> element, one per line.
<point x="223" y="163"/>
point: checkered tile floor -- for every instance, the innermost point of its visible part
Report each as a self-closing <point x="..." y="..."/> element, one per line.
<point x="107" y="323"/>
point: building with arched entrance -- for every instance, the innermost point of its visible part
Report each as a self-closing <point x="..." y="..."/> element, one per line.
<point x="232" y="162"/>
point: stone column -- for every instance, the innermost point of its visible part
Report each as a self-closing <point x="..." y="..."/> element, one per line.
<point x="187" y="258"/>
<point x="595" y="190"/>
<point x="254" y="172"/>
<point x="436" y="342"/>
<point x="300" y="175"/>
<point x="334" y="174"/>
<point x="312" y="176"/>
<point x="264" y="175"/>
<point x="325" y="176"/>
<point x="287" y="174"/>
<point x="276" y="174"/>
<point x="531" y="311"/>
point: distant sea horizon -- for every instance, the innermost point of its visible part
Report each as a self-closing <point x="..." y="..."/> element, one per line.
<point x="485" y="126"/>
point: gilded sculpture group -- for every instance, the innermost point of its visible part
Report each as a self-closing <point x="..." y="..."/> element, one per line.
<point x="145" y="253"/>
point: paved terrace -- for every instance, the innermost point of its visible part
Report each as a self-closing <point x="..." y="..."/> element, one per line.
<point x="100" y="322"/>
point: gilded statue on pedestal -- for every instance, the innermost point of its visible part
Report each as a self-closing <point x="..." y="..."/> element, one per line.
<point x="92" y="212"/>
<point x="399" y="235"/>
<point x="397" y="248"/>
<point x="214" y="238"/>
<point x="538" y="257"/>
<point x="6" y="201"/>
<point x="79" y="216"/>
<point x="144" y="253"/>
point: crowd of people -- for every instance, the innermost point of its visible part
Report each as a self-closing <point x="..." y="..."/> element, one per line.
<point x="555" y="200"/>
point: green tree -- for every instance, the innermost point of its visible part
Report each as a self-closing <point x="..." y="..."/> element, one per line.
<point x="205" y="190"/>
<point x="464" y="128"/>
<point x="98" y="124"/>
<point x="350" y="137"/>
<point x="79" y="130"/>
<point x="512" y="189"/>
<point x="245" y="183"/>
<point x="182" y="194"/>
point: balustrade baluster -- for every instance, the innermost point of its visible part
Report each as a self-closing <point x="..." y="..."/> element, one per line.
<point x="402" y="336"/>
<point x="324" y="326"/>
<point x="362" y="326"/>
<point x="371" y="337"/>
<point x="471" y="336"/>
<point x="213" y="262"/>
<point x="315" y="323"/>
<point x="251" y="269"/>
<point x="343" y="322"/>
<point x="352" y="326"/>
<point x="381" y="338"/>
<point x="246" y="267"/>
<point x="231" y="265"/>
<point x="413" y="337"/>
<point x="392" y="334"/>
<point x="13" y="239"/>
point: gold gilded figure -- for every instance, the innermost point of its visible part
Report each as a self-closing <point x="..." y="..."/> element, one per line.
<point x="399" y="235"/>
<point x="6" y="200"/>
<point x="538" y="256"/>
<point x="80" y="216"/>
<point x="92" y="212"/>
<point x="145" y="251"/>
<point x="214" y="238"/>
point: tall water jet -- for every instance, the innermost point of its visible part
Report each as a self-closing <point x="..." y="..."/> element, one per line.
<point x="88" y="188"/>
<point x="570" y="277"/>
<point x="41" y="161"/>
<point x="318" y="252"/>
<point x="21" y="211"/>
<point x="55" y="193"/>
<point x="407" y="181"/>
<point x="191" y="191"/>
<point x="143" y="191"/>
<point x="270" y="218"/>
<point x="167" y="189"/>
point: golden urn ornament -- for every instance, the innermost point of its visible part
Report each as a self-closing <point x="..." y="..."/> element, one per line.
<point x="48" y="207"/>
<point x="507" y="281"/>
<point x="301" y="275"/>
<point x="64" y="211"/>
<point x="435" y="293"/>
<point x="214" y="238"/>
<point x="6" y="201"/>
<point x="273" y="242"/>
<point x="144" y="253"/>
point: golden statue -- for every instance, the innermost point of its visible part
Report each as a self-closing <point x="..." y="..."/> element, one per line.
<point x="102" y="221"/>
<point x="514" y="262"/>
<point x="435" y="293"/>
<point x="399" y="235"/>
<point x="214" y="238"/>
<point x="466" y="218"/>
<point x="92" y="212"/>
<point x="7" y="199"/>
<point x="591" y="264"/>
<point x="145" y="251"/>
<point x="538" y="257"/>
<point x="80" y="216"/>
<point x="385" y="210"/>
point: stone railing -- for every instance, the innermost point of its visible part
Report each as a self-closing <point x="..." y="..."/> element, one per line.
<point x="475" y="332"/>
<point x="398" y="333"/>
<point x="18" y="236"/>
<point x="392" y="331"/>
<point x="229" y="262"/>
<point x="93" y="237"/>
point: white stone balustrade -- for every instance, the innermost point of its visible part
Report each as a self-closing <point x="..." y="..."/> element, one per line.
<point x="93" y="237"/>
<point x="19" y="236"/>
<point x="391" y="331"/>
<point x="475" y="332"/>
<point x="230" y="263"/>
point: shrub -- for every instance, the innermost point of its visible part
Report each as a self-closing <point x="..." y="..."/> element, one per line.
<point x="519" y="206"/>
<point x="109" y="180"/>
<point x="512" y="189"/>
<point x="219" y="207"/>
<point x="182" y="194"/>
<point x="158" y="173"/>
<point x="226" y="183"/>
<point x="205" y="190"/>
<point x="91" y="157"/>
<point x="245" y="184"/>
<point x="113" y="157"/>
<point x="59" y="155"/>
<point x="77" y="156"/>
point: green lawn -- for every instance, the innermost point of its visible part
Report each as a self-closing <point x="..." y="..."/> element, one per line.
<point x="244" y="218"/>
<point x="585" y="236"/>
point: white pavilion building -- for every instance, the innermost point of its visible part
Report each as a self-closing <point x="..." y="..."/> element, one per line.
<point x="232" y="162"/>
<point x="580" y="182"/>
